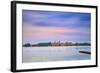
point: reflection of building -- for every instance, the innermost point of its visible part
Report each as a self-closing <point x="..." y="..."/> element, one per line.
<point x="55" y="44"/>
<point x="62" y="44"/>
<point x="69" y="44"/>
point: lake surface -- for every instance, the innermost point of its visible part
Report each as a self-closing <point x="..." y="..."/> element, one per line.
<point x="60" y="53"/>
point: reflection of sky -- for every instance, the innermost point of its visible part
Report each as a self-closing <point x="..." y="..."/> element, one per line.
<point x="46" y="26"/>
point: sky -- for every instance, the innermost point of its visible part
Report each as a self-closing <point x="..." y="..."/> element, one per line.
<point x="53" y="26"/>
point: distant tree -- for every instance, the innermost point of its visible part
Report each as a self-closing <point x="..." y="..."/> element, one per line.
<point x="27" y="45"/>
<point x="44" y="44"/>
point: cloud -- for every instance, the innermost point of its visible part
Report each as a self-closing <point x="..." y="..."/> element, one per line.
<point x="57" y="19"/>
<point x="36" y="32"/>
<point x="51" y="25"/>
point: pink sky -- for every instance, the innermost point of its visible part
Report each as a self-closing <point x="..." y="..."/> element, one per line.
<point x="37" y="32"/>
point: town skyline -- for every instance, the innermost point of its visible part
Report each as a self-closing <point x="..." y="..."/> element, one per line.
<point x="58" y="43"/>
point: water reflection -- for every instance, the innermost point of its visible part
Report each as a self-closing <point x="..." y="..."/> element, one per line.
<point x="42" y="54"/>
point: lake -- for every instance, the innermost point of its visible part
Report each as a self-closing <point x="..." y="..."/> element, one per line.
<point x="60" y="53"/>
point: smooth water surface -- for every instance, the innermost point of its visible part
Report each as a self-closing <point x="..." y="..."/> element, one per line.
<point x="60" y="53"/>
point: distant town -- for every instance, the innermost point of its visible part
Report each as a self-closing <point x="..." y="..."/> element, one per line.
<point x="56" y="44"/>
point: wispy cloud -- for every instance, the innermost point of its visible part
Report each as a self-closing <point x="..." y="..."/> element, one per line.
<point x="45" y="25"/>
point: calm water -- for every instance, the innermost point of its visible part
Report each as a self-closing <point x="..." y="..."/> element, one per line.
<point x="40" y="54"/>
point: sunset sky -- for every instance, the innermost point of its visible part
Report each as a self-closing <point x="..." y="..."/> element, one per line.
<point x="50" y="26"/>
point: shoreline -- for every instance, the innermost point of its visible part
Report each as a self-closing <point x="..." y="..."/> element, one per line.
<point x="56" y="46"/>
